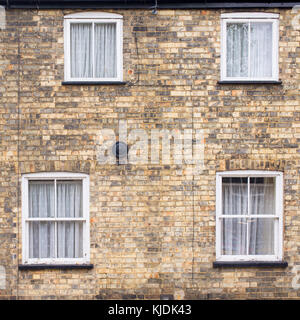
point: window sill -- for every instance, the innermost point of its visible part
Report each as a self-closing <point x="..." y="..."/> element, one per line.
<point x="87" y="83"/>
<point x="249" y="82"/>
<point x="247" y="264"/>
<point x="55" y="266"/>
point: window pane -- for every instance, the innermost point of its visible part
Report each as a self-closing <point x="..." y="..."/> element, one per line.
<point x="262" y="195"/>
<point x="81" y="50"/>
<point x="261" y="50"/>
<point x="237" y="49"/>
<point x="70" y="239"/>
<point x="41" y="240"/>
<point x="41" y="199"/>
<point x="234" y="236"/>
<point x="69" y="199"/>
<point x="235" y="195"/>
<point x="261" y="236"/>
<point x="105" y="50"/>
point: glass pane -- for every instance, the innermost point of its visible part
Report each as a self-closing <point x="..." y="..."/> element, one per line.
<point x="70" y="239"/>
<point x="237" y="49"/>
<point x="261" y="236"/>
<point x="105" y="50"/>
<point x="234" y="236"/>
<point x="81" y="50"/>
<point x="261" y="59"/>
<point x="69" y="199"/>
<point x="41" y="240"/>
<point x="234" y="196"/>
<point x="41" y="199"/>
<point x="262" y="195"/>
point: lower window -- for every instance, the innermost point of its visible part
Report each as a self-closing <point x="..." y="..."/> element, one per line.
<point x="249" y="216"/>
<point x="55" y="218"/>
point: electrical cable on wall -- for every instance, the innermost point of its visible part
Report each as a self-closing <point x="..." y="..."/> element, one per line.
<point x="154" y="11"/>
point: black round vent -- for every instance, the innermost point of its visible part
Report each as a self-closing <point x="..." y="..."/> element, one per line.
<point x="120" y="150"/>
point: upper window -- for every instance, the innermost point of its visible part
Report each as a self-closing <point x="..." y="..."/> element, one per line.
<point x="93" y="47"/>
<point x="55" y="214"/>
<point x="249" y="49"/>
<point x="249" y="216"/>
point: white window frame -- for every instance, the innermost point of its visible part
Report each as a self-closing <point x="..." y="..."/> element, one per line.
<point x="247" y="18"/>
<point x="85" y="217"/>
<point x="278" y="230"/>
<point x="94" y="17"/>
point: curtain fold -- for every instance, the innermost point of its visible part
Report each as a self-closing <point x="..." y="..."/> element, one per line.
<point x="105" y="50"/>
<point x="81" y="50"/>
<point x="255" y="236"/>
<point x="235" y="202"/>
<point x="41" y="234"/>
<point x="69" y="204"/>
<point x="237" y="49"/>
<point x="93" y="50"/>
<point x="261" y="50"/>
<point x="261" y="230"/>
<point x="253" y="62"/>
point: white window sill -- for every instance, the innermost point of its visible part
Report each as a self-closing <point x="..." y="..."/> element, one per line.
<point x="277" y="82"/>
<point x="55" y="266"/>
<point x="87" y="83"/>
<point x="247" y="264"/>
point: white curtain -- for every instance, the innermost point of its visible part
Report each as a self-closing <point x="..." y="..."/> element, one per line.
<point x="69" y="233"/>
<point x="237" y="49"/>
<point x="260" y="50"/>
<point x="261" y="229"/>
<point x="81" y="50"/>
<point x="257" y="233"/>
<point x="69" y="205"/>
<point x="105" y="50"/>
<point x="102" y="50"/>
<point x="41" y="234"/>
<point x="235" y="202"/>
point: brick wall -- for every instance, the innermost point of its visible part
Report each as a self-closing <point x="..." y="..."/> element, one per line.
<point x="152" y="226"/>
